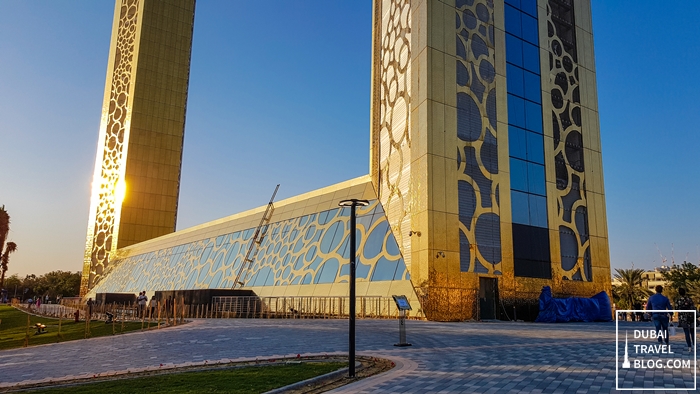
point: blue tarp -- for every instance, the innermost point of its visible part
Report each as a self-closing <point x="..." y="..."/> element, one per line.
<point x="559" y="310"/>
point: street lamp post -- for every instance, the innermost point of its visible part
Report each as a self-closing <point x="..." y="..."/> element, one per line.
<point x="352" y="203"/>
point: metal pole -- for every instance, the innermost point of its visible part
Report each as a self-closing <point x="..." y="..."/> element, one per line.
<point x="351" y="367"/>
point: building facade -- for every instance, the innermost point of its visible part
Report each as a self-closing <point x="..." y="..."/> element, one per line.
<point x="136" y="181"/>
<point x="485" y="165"/>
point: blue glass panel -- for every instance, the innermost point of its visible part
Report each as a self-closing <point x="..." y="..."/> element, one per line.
<point x="518" y="174"/>
<point x="316" y="263"/>
<point x="538" y="210"/>
<point x="531" y="86"/>
<point x="375" y="241"/>
<point x="517" y="143"/>
<point x="520" y="207"/>
<point x="514" y="50"/>
<point x="270" y="281"/>
<point x="392" y="247"/>
<point x="529" y="26"/>
<point x="514" y="79"/>
<point x="384" y="270"/>
<point x="306" y="280"/>
<point x="533" y="117"/>
<point x="531" y="58"/>
<point x="514" y="3"/>
<point x="401" y="270"/>
<point x="513" y="24"/>
<point x="529" y="6"/>
<point x="329" y="241"/>
<point x="328" y="272"/>
<point x="535" y="147"/>
<point x="516" y="111"/>
<point x="535" y="179"/>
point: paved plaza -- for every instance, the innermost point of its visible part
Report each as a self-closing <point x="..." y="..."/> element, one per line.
<point x="498" y="357"/>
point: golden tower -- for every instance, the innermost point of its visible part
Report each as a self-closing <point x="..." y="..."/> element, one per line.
<point x="485" y="149"/>
<point x="137" y="167"/>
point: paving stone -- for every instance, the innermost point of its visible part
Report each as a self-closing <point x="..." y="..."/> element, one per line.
<point x="445" y="357"/>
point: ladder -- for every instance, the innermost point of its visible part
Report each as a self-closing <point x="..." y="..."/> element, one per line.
<point x="255" y="242"/>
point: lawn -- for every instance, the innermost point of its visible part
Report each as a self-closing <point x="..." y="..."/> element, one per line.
<point x="13" y="329"/>
<point x="240" y="380"/>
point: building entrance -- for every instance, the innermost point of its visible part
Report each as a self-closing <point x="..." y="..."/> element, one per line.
<point x="488" y="292"/>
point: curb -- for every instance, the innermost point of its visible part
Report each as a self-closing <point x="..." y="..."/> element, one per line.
<point x="303" y="383"/>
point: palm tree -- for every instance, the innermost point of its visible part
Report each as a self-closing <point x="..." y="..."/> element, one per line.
<point x="631" y="289"/>
<point x="5" y="248"/>
<point x="10" y="247"/>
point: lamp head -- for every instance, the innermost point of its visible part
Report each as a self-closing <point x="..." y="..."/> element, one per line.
<point x="353" y="202"/>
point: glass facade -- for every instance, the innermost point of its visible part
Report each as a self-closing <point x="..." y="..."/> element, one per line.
<point x="306" y="250"/>
<point x="526" y="140"/>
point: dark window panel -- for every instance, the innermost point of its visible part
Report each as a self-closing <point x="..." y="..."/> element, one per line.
<point x="529" y="28"/>
<point x="516" y="111"/>
<point x="531" y="87"/>
<point x="533" y="117"/>
<point x="538" y="210"/>
<point x="518" y="175"/>
<point x="513" y="21"/>
<point x="517" y="142"/>
<point x="531" y="57"/>
<point x="520" y="207"/>
<point x="531" y="251"/>
<point x="529" y="7"/>
<point x="514" y="50"/>
<point x="535" y="179"/>
<point x="514" y="79"/>
<point x="535" y="147"/>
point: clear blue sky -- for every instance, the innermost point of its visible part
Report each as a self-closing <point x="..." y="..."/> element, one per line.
<point x="279" y="93"/>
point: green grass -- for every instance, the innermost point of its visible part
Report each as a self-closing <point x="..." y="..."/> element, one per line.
<point x="13" y="329"/>
<point x="241" y="380"/>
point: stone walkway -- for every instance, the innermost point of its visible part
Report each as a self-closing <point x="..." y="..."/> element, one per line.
<point x="445" y="357"/>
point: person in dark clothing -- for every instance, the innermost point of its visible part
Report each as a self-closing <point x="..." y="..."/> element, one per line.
<point x="659" y="302"/>
<point x="686" y="319"/>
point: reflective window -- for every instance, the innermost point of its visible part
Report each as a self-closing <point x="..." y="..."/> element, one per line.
<point x="516" y="111"/>
<point x="518" y="175"/>
<point x="538" y="210"/>
<point x="375" y="240"/>
<point x="384" y="270"/>
<point x="531" y="58"/>
<point x="514" y="79"/>
<point x="514" y="50"/>
<point x="529" y="28"/>
<point x="533" y="117"/>
<point x="519" y="203"/>
<point x="531" y="86"/>
<point x="528" y="6"/>
<point x="513" y="24"/>
<point x="535" y="179"/>
<point x="328" y="272"/>
<point x="535" y="147"/>
<point x="517" y="142"/>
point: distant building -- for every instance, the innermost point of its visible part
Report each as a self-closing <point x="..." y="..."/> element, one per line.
<point x="650" y="279"/>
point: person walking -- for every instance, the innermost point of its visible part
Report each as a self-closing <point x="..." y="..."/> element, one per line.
<point x="686" y="319"/>
<point x="142" y="299"/>
<point x="659" y="302"/>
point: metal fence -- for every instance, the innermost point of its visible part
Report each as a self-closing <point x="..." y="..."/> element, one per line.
<point x="299" y="307"/>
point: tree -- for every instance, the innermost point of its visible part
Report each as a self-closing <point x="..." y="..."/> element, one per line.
<point x="5" y="248"/>
<point x="687" y="276"/>
<point x="631" y="290"/>
<point x="55" y="283"/>
<point x="680" y="276"/>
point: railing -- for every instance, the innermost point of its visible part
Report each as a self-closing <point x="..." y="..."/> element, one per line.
<point x="299" y="307"/>
<point x="230" y="307"/>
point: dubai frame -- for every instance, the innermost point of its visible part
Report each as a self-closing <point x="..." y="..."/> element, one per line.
<point x="485" y="179"/>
